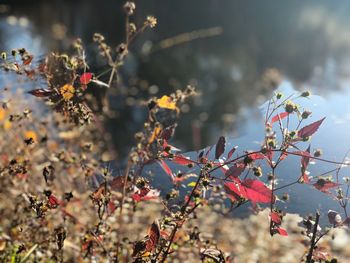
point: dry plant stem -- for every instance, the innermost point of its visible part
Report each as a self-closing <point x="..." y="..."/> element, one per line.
<point x="183" y="212"/>
<point x="313" y="239"/>
<point x="272" y="198"/>
<point x="119" y="58"/>
<point x="277" y="150"/>
<point x="100" y="243"/>
<point x="126" y="174"/>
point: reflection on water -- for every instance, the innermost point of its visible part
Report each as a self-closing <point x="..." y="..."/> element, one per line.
<point x="308" y="41"/>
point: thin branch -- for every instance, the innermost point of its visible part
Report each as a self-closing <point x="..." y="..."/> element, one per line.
<point x="313" y="239"/>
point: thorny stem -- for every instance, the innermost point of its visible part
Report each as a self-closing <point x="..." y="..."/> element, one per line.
<point x="313" y="239"/>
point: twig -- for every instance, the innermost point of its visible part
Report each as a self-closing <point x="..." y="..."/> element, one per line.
<point x="313" y="239"/>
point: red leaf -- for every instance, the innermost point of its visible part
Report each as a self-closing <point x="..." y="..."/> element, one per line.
<point x="305" y="159"/>
<point x="256" y="156"/>
<point x="282" y="231"/>
<point x="305" y="177"/>
<point x="269" y="154"/>
<point x="182" y="160"/>
<point x="167" y="133"/>
<point x="231" y="152"/>
<point x="53" y="201"/>
<point x="234" y="190"/>
<point x="153" y="237"/>
<point x="310" y="129"/>
<point x="40" y="92"/>
<point x="283" y="156"/>
<point x="279" y="116"/>
<point x="117" y="183"/>
<point x="136" y="197"/>
<point x="145" y="194"/>
<point x="166" y="168"/>
<point x="253" y="190"/>
<point x="111" y="207"/>
<point x="276" y="218"/>
<point x="27" y="60"/>
<point x="152" y="194"/>
<point x="85" y="78"/>
<point x="257" y="192"/>
<point x="220" y="147"/>
<point x="235" y="170"/>
<point x="324" y="185"/>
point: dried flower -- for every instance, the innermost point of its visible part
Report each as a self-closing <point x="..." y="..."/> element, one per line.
<point x="290" y="106"/>
<point x="151" y="21"/>
<point x="67" y="92"/>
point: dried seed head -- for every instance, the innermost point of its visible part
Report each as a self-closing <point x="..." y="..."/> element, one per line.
<point x="129" y="8"/>
<point x="3" y="55"/>
<point x="98" y="37"/>
<point x="318" y="153"/>
<point x="305" y="114"/>
<point x="279" y="95"/>
<point x="306" y="94"/>
<point x="151" y="21"/>
<point x="132" y="28"/>
<point x="122" y="49"/>
<point x="290" y="106"/>
<point x="257" y="171"/>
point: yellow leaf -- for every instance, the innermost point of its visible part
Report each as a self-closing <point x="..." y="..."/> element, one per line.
<point x="191" y="184"/>
<point x="67" y="92"/>
<point x="167" y="103"/>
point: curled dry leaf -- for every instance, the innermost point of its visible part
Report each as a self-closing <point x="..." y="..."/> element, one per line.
<point x="153" y="237"/>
